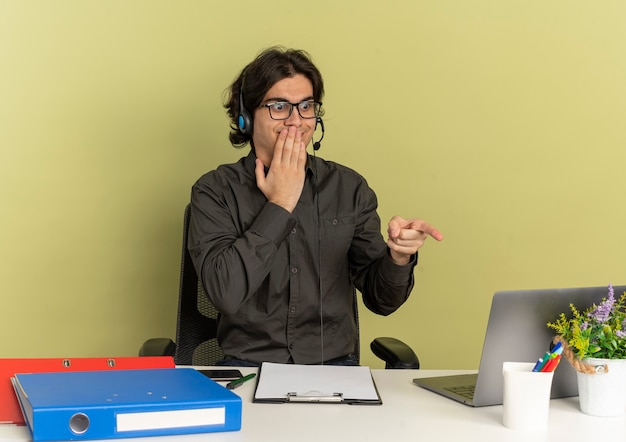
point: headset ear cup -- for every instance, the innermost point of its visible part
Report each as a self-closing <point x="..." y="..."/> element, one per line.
<point x="244" y="122"/>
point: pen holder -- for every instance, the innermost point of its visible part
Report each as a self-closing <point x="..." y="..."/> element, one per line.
<point x="526" y="396"/>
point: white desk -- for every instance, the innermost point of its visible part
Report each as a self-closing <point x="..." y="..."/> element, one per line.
<point x="408" y="413"/>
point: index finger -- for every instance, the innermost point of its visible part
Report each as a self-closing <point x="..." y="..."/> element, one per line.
<point x="423" y="226"/>
<point x="279" y="146"/>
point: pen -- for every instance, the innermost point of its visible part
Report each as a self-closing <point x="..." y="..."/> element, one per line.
<point x="542" y="361"/>
<point x="551" y="364"/>
<point x="556" y="352"/>
<point x="238" y="382"/>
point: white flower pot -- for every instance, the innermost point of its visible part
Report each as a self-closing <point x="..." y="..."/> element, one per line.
<point x="603" y="394"/>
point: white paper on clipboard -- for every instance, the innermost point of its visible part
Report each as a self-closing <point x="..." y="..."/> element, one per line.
<point x="316" y="383"/>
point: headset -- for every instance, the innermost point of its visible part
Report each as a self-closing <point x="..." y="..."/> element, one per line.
<point x="244" y="120"/>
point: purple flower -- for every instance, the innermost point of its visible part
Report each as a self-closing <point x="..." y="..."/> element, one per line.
<point x="584" y="326"/>
<point x="602" y="312"/>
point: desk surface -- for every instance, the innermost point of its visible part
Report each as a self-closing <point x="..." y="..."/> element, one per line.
<point x="408" y="413"/>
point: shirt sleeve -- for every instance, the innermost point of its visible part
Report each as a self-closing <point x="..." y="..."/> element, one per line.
<point x="385" y="285"/>
<point x="232" y="260"/>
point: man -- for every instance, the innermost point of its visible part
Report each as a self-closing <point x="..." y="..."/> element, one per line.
<point x="280" y="238"/>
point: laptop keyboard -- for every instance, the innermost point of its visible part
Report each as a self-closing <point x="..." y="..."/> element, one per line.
<point x="463" y="390"/>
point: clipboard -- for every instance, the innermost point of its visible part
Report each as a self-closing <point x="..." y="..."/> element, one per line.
<point x="10" y="412"/>
<point x="317" y="384"/>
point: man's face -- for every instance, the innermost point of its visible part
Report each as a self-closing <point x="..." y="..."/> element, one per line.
<point x="292" y="90"/>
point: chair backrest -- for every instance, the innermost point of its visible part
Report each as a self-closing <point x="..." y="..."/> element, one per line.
<point x="196" y="328"/>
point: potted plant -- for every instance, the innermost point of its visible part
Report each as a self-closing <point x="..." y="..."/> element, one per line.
<point x="594" y="343"/>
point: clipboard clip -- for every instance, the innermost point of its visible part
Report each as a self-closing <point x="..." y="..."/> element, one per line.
<point x="315" y="397"/>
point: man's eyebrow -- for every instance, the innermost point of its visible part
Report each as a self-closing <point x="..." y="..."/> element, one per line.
<point x="281" y="99"/>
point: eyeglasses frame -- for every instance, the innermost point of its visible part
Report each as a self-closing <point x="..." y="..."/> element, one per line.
<point x="294" y="105"/>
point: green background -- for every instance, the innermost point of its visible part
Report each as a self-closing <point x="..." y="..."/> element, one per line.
<point x="500" y="122"/>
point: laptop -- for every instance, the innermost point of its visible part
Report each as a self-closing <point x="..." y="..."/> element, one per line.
<point x="517" y="332"/>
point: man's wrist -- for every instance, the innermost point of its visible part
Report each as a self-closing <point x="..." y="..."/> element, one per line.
<point x="400" y="259"/>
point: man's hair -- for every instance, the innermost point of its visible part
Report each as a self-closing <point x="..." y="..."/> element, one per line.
<point x="269" y="67"/>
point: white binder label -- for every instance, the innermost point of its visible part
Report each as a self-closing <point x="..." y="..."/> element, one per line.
<point x="156" y="420"/>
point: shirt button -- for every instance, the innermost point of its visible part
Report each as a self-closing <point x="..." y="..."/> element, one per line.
<point x="292" y="310"/>
<point x="293" y="231"/>
<point x="335" y="222"/>
<point x="294" y="270"/>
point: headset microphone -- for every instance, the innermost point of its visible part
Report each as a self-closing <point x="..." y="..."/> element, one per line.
<point x="318" y="144"/>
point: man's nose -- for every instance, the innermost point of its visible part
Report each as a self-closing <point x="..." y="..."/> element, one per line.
<point x="294" y="119"/>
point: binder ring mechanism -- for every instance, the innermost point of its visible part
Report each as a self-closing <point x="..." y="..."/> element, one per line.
<point x="315" y="396"/>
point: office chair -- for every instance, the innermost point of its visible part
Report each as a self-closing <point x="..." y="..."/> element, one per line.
<point x="196" y="329"/>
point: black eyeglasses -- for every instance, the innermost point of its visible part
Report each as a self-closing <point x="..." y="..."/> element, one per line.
<point x="281" y="110"/>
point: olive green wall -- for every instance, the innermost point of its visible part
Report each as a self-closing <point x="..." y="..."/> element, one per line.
<point x="501" y="122"/>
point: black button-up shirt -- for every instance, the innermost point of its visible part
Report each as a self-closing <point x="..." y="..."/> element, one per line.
<point x="270" y="272"/>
